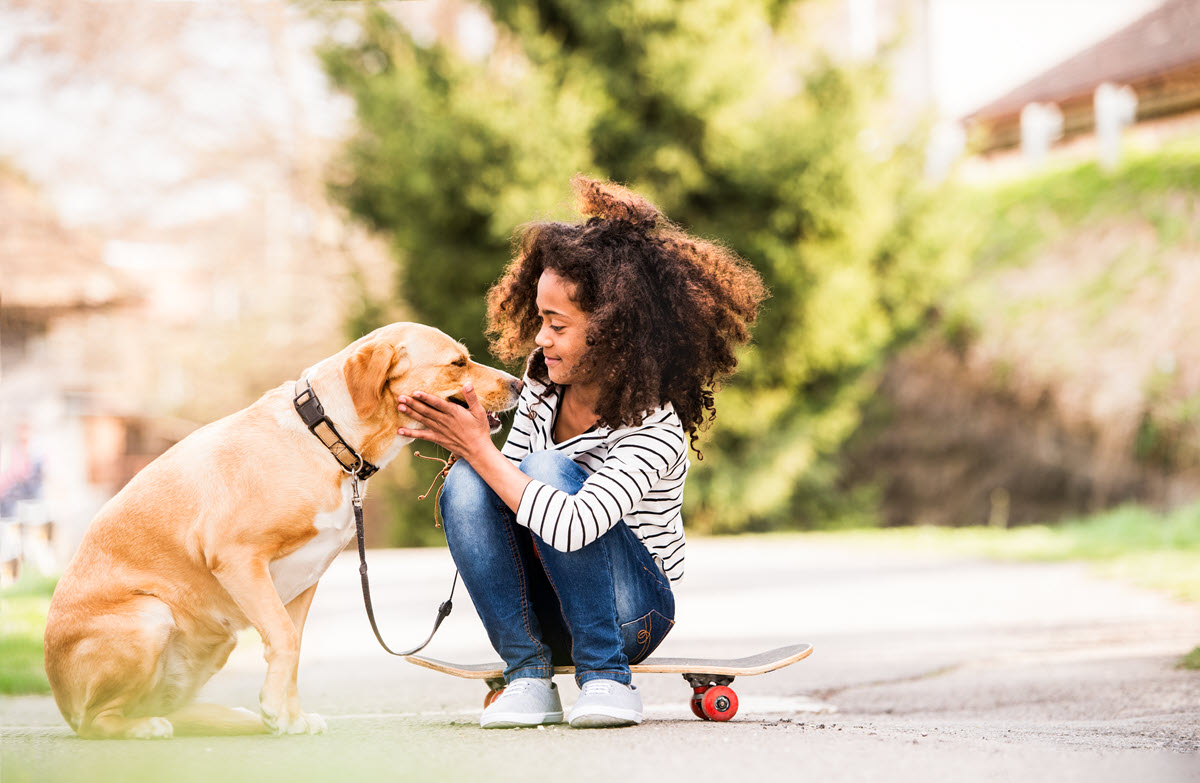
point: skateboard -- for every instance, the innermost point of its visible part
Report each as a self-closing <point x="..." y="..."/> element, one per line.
<point x="712" y="698"/>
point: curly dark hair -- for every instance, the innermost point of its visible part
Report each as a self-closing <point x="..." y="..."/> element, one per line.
<point x="665" y="310"/>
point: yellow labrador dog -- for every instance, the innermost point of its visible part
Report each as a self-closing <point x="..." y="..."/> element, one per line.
<point x="233" y="526"/>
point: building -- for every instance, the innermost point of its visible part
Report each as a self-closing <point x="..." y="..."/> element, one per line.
<point x="63" y="450"/>
<point x="1157" y="57"/>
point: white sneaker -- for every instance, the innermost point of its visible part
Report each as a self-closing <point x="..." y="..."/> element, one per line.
<point x="607" y="704"/>
<point x="526" y="701"/>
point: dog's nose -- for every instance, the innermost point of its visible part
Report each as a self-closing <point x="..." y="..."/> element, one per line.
<point x="518" y="385"/>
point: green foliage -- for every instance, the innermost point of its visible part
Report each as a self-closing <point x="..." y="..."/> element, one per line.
<point x="696" y="104"/>
<point x="1019" y="218"/>
<point x="449" y="159"/>
<point x="1133" y="543"/>
<point x="23" y="608"/>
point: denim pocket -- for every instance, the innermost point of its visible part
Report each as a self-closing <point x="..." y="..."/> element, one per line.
<point x="659" y="575"/>
<point x="643" y="635"/>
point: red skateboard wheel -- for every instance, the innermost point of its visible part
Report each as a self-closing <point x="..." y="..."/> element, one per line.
<point x="720" y="703"/>
<point x="491" y="697"/>
<point x="697" y="700"/>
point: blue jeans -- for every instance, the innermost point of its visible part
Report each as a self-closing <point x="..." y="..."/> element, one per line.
<point x="601" y="608"/>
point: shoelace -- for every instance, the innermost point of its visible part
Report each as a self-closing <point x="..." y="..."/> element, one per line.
<point x="516" y="688"/>
<point x="597" y="687"/>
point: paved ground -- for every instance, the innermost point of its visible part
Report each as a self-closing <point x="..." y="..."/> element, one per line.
<point x="925" y="667"/>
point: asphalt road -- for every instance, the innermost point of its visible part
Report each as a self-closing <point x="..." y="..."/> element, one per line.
<point x="925" y="667"/>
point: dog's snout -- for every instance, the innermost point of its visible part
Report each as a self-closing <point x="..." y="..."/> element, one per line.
<point x="517" y="385"/>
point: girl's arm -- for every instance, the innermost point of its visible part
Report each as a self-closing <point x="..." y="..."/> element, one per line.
<point x="635" y="463"/>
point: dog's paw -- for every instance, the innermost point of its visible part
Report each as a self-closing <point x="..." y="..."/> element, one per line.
<point x="307" y="723"/>
<point x="152" y="728"/>
<point x="300" y="723"/>
<point x="270" y="718"/>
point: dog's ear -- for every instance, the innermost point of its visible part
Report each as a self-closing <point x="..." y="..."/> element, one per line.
<point x="367" y="373"/>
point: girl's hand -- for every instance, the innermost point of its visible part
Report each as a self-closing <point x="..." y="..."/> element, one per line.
<point x="465" y="432"/>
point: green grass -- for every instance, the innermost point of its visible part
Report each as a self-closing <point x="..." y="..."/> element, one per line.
<point x="23" y="608"/>
<point x="1021" y="217"/>
<point x="1016" y="222"/>
<point x="1160" y="551"/>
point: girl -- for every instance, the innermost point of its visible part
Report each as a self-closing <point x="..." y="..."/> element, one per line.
<point x="568" y="539"/>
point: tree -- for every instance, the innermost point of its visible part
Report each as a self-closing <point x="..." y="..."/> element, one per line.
<point x="695" y="104"/>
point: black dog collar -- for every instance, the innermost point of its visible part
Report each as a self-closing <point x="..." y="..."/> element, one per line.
<point x="313" y="414"/>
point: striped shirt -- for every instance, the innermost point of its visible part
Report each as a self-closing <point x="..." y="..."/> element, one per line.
<point x="636" y="475"/>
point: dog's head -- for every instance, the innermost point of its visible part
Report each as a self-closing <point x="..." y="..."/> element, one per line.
<point x="405" y="357"/>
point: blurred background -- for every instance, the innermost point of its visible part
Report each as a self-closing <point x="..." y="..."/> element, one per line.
<point x="978" y="220"/>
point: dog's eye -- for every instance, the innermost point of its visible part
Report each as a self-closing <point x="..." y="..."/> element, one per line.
<point x="459" y="363"/>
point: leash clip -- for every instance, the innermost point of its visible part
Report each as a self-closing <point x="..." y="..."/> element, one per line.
<point x="356" y="498"/>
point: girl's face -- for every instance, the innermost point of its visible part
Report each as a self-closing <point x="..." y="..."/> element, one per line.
<point x="563" y="336"/>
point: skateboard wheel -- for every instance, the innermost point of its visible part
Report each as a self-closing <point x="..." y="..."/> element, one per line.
<point x="491" y="697"/>
<point x="697" y="700"/>
<point x="719" y="703"/>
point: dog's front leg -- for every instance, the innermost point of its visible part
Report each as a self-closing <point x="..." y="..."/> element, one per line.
<point x="297" y="610"/>
<point x="248" y="582"/>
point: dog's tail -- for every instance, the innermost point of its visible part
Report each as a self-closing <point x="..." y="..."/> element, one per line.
<point x="210" y="720"/>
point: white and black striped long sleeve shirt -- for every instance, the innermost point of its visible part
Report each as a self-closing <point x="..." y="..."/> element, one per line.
<point x="636" y="476"/>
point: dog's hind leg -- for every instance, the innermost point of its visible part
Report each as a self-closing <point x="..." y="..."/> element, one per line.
<point x="186" y="664"/>
<point x="112" y="724"/>
<point x="102" y="676"/>
<point x="180" y="670"/>
<point x="208" y="720"/>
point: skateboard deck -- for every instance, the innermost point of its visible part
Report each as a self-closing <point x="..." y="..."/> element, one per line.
<point x="712" y="698"/>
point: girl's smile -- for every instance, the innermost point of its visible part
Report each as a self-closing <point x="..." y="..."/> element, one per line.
<point x="563" y="336"/>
